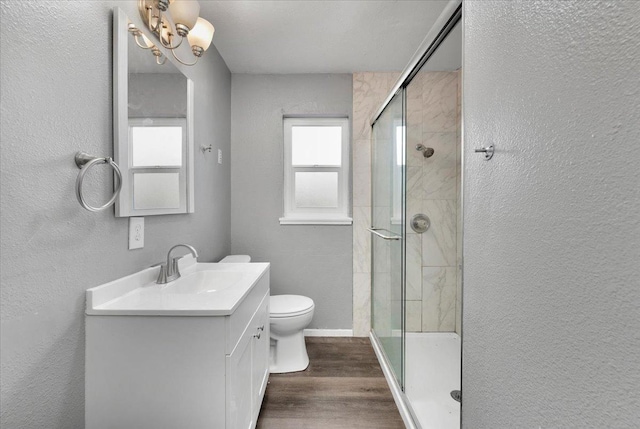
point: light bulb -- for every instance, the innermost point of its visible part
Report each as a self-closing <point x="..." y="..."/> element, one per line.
<point x="185" y="12"/>
<point x="201" y="34"/>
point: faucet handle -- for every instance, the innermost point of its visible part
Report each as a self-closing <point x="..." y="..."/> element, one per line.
<point x="162" y="275"/>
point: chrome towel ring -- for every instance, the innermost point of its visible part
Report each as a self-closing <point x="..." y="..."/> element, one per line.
<point x="84" y="161"/>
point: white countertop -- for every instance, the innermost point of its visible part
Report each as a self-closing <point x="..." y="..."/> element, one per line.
<point x="205" y="289"/>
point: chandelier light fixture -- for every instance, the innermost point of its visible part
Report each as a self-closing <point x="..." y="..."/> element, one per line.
<point x="171" y="21"/>
<point x="144" y="42"/>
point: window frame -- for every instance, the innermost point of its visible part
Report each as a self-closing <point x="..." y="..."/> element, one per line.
<point x="316" y="215"/>
<point x="185" y="171"/>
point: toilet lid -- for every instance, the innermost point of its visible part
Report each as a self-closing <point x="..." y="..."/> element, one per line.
<point x="289" y="305"/>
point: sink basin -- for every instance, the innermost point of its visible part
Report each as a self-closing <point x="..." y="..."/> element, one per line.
<point x="205" y="289"/>
<point x="207" y="281"/>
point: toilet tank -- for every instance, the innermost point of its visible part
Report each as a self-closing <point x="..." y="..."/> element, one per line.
<point x="235" y="258"/>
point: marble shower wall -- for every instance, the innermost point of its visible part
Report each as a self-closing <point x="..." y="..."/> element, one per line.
<point x="433" y="188"/>
<point x="433" y="258"/>
<point x="369" y="91"/>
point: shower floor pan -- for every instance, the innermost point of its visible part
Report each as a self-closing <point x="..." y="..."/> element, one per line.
<point x="432" y="371"/>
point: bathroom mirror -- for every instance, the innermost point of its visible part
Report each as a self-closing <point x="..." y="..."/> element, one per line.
<point x="153" y="126"/>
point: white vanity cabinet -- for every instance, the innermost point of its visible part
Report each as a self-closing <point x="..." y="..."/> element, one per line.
<point x="154" y="368"/>
<point x="248" y="371"/>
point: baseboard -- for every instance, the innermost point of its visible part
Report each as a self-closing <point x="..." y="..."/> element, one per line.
<point x="328" y="332"/>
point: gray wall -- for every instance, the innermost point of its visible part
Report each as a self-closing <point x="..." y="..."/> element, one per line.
<point x="551" y="315"/>
<point x="56" y="99"/>
<point x="311" y="260"/>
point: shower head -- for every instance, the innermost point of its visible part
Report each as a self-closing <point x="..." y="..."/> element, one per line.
<point x="427" y="152"/>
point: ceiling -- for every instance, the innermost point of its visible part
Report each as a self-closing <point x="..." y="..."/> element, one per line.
<point x="321" y="36"/>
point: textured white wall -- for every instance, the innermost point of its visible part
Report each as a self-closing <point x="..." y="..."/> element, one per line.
<point x="551" y="312"/>
<point x="311" y="260"/>
<point x="56" y="99"/>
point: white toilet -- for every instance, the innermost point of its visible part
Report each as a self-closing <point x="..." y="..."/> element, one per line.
<point x="289" y="315"/>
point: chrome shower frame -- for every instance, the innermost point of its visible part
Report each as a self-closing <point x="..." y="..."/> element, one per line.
<point x="448" y="19"/>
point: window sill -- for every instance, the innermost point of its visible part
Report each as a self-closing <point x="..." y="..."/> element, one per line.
<point x="316" y="221"/>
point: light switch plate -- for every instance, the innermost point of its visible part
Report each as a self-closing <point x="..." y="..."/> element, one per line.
<point x="219" y="156"/>
<point x="136" y="233"/>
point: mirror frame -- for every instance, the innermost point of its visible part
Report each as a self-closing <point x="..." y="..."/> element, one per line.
<point x="124" y="203"/>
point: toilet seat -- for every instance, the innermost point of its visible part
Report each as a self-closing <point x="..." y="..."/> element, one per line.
<point x="281" y="306"/>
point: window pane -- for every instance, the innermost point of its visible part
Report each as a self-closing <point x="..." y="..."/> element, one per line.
<point x="316" y="189"/>
<point x="316" y="145"/>
<point x="156" y="191"/>
<point x="156" y="146"/>
<point x="399" y="145"/>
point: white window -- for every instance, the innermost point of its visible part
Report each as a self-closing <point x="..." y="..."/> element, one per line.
<point x="156" y="163"/>
<point x="316" y="171"/>
<point x="397" y="170"/>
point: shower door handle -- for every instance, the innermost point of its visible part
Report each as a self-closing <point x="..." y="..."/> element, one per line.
<point x="386" y="237"/>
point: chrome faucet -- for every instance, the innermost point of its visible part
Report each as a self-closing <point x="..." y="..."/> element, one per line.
<point x="170" y="271"/>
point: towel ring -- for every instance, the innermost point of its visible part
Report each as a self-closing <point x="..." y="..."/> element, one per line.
<point x="84" y="161"/>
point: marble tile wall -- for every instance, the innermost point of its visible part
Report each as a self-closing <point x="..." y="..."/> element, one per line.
<point x="369" y="91"/>
<point x="433" y="188"/>
<point x="459" y="206"/>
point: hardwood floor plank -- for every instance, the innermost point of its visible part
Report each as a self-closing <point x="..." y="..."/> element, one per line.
<point x="320" y="391"/>
<point x="312" y="423"/>
<point x="343" y="388"/>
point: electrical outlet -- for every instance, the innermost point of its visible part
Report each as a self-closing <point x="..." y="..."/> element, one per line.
<point x="136" y="233"/>
<point x="219" y="156"/>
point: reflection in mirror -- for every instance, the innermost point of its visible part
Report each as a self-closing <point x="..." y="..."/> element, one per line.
<point x="156" y="146"/>
<point x="156" y="191"/>
<point x="153" y="124"/>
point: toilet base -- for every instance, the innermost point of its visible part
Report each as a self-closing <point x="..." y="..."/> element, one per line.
<point x="288" y="353"/>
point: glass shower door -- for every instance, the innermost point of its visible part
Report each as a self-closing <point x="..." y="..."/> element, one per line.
<point x="387" y="229"/>
<point x="416" y="233"/>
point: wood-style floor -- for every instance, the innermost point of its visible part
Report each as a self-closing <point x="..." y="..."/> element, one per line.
<point x="343" y="388"/>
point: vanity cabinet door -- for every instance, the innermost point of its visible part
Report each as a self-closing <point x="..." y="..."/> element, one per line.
<point x="239" y="385"/>
<point x="260" y="355"/>
<point x="248" y="371"/>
